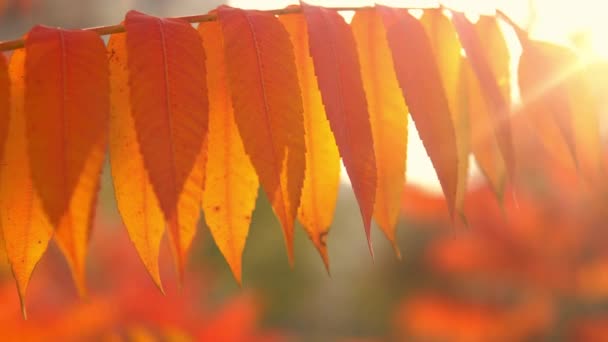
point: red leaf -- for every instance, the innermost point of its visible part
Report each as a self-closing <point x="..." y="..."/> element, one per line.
<point x="169" y="104"/>
<point x="481" y="58"/>
<point x="66" y="109"/>
<point x="422" y="88"/>
<point x="334" y="53"/>
<point x="267" y="106"/>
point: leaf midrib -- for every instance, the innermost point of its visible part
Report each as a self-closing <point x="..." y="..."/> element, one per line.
<point x="266" y="116"/>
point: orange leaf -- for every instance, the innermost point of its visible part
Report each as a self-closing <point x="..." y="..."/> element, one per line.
<point x="74" y="230"/>
<point x="483" y="143"/>
<point x="168" y="94"/>
<point x="231" y="186"/>
<point x="388" y="115"/>
<point x="25" y="226"/>
<point x="334" y="54"/>
<point x="558" y="100"/>
<point x="66" y="110"/>
<point x="267" y="106"/>
<point x="422" y="88"/>
<point x="188" y="211"/>
<point x="135" y="197"/>
<point x="585" y="111"/>
<point x="446" y="47"/>
<point x="489" y="66"/>
<point x="322" y="174"/>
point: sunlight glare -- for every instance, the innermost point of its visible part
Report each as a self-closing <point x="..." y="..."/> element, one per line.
<point x="556" y="21"/>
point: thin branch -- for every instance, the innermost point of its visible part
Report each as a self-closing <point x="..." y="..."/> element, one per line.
<point x="111" y="29"/>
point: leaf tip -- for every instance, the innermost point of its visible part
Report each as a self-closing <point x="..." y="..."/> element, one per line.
<point x="22" y="303"/>
<point x="158" y="282"/>
<point x="396" y="250"/>
<point x="236" y="268"/>
<point x="371" y="248"/>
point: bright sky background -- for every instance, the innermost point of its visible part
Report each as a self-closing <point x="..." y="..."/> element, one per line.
<point x="552" y="20"/>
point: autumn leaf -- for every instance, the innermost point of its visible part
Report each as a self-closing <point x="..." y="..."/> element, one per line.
<point x="585" y="112"/>
<point x="231" y="185"/>
<point x="168" y="95"/>
<point x="74" y="230"/>
<point x="322" y="174"/>
<point x="188" y="212"/>
<point x="482" y="46"/>
<point x="484" y="143"/>
<point x="334" y="53"/>
<point x="267" y="106"/>
<point x="446" y="48"/>
<point x="542" y="69"/>
<point x="25" y="226"/>
<point x="558" y="101"/>
<point x="66" y="109"/>
<point x="388" y="115"/>
<point x="66" y="147"/>
<point x="422" y="89"/>
<point x="135" y="197"/>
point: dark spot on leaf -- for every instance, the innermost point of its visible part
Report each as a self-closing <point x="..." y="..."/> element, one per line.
<point x="323" y="238"/>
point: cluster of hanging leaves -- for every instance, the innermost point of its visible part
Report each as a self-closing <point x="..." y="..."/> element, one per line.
<point x="201" y="117"/>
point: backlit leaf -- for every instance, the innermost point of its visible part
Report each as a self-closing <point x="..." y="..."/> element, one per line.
<point x="25" y="227"/>
<point x="388" y="115"/>
<point x="484" y="143"/>
<point x="558" y="101"/>
<point x="188" y="211"/>
<point x="74" y="230"/>
<point x="446" y="47"/>
<point x="422" y="88"/>
<point x="585" y="112"/>
<point x="322" y="175"/>
<point x="334" y="53"/>
<point x="135" y="197"/>
<point x="168" y="94"/>
<point x="267" y="105"/>
<point x="231" y="184"/>
<point x="483" y="52"/>
<point x="66" y="109"/>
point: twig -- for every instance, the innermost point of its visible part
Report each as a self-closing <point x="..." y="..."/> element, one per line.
<point x="111" y="29"/>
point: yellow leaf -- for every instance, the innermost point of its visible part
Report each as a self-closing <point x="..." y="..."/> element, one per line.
<point x="322" y="174"/>
<point x="135" y="196"/>
<point x="388" y="115"/>
<point x="231" y="184"/>
<point x="25" y="226"/>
